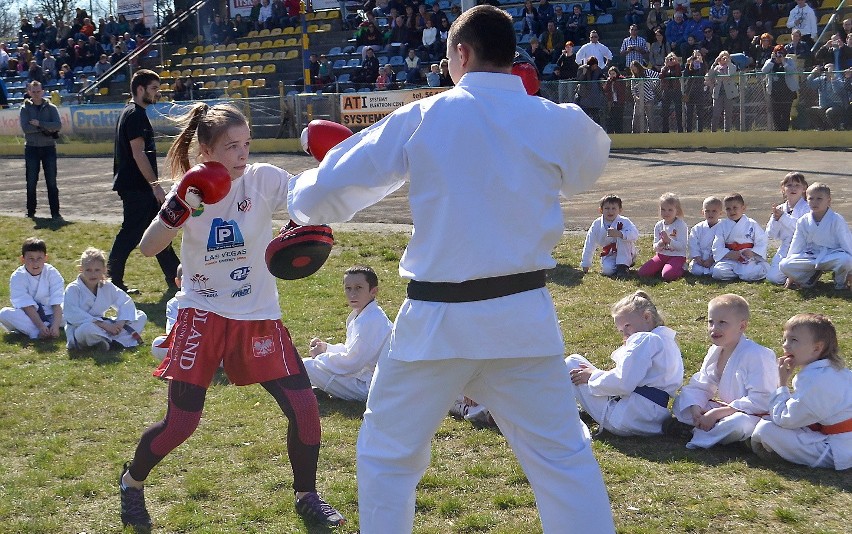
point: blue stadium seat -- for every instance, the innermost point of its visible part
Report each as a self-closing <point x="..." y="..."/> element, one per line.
<point x="354" y="63"/>
<point x="548" y="69"/>
<point x="397" y="61"/>
<point x="335" y="51"/>
<point x="339" y="64"/>
<point x="383" y="60"/>
<point x="343" y="78"/>
<point x="365" y="90"/>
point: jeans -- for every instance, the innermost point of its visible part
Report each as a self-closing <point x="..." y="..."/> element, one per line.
<point x="35" y="158"/>
<point x="140" y="208"/>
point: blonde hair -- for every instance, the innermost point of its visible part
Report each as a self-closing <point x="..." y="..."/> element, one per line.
<point x="204" y="125"/>
<point x="92" y="254"/>
<point x="711" y="201"/>
<point x="672" y="200"/>
<point x="819" y="187"/>
<point x="736" y="303"/>
<point x="637" y="302"/>
<point x="823" y="331"/>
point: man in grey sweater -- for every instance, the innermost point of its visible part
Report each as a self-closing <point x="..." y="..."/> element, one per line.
<point x="41" y="124"/>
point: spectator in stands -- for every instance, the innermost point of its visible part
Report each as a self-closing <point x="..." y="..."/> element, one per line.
<point x="531" y="19"/>
<point x="635" y="13"/>
<point x="761" y="50"/>
<point x="63" y="32"/>
<point x="291" y="13"/>
<point x="111" y="28"/>
<point x="722" y="79"/>
<point x="446" y="79"/>
<point x="325" y="75"/>
<point x="180" y="91"/>
<point x="833" y="98"/>
<point x="240" y="28"/>
<point x="35" y="73"/>
<point x="264" y="16"/>
<point x="371" y="39"/>
<point x="433" y="78"/>
<point x="66" y="77"/>
<point x="696" y="95"/>
<point x="659" y="50"/>
<point x="644" y="89"/>
<point x="763" y="15"/>
<point x="397" y="37"/>
<point x="719" y="13"/>
<point x="130" y="43"/>
<point x="696" y="25"/>
<point x="431" y="47"/>
<point x="539" y="56"/>
<point x="24" y="57"/>
<point x="567" y="64"/>
<point x="138" y="27"/>
<point x="803" y="17"/>
<point x="575" y="30"/>
<point x="615" y="90"/>
<point x="590" y="94"/>
<point x="737" y="20"/>
<point x="672" y="101"/>
<point x="782" y="84"/>
<point x="4" y="59"/>
<point x="634" y="47"/>
<point x="443" y="33"/>
<point x="102" y="65"/>
<point x="545" y="12"/>
<point x="655" y="19"/>
<point x="594" y="48"/>
<point x="48" y="65"/>
<point x="385" y="78"/>
<point x="313" y="68"/>
<point x="370" y="65"/>
<point x="437" y="15"/>
<point x="219" y="31"/>
<point x="711" y="45"/>
<point x="92" y="51"/>
<point x="87" y="29"/>
<point x="797" y="47"/>
<point x="254" y="15"/>
<point x="26" y="30"/>
<point x="560" y="18"/>
<point x="4" y="95"/>
<point x="836" y="52"/>
<point x="736" y="43"/>
<point x="412" y="68"/>
<point x="49" y="34"/>
<point x="123" y="25"/>
<point x="845" y="29"/>
<point x="552" y="41"/>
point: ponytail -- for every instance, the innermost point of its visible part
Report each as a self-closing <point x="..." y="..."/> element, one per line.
<point x="177" y="158"/>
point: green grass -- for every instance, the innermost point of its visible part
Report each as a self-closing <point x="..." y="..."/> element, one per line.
<point x="67" y="424"/>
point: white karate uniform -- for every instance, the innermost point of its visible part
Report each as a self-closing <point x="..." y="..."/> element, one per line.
<point x="82" y="308"/>
<point x="783" y="230"/>
<point x="823" y="394"/>
<point x="159" y="349"/>
<point x="646" y="359"/>
<point x="746" y="230"/>
<point x="700" y="244"/>
<point x="678" y="232"/>
<point x="819" y="246"/>
<point x="345" y="370"/>
<point x="505" y="352"/>
<point x="624" y="252"/>
<point x="746" y="383"/>
<point x="43" y="291"/>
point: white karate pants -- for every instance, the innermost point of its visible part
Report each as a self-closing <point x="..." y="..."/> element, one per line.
<point x="341" y="387"/>
<point x="731" y="270"/>
<point x="16" y="320"/>
<point x="798" y="445"/>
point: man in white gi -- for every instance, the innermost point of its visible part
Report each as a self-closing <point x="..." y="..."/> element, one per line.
<point x="484" y="193"/>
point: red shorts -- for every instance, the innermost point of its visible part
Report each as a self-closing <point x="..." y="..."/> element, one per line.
<point x="250" y="351"/>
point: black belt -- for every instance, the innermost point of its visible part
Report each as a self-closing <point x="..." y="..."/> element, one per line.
<point x="655" y="395"/>
<point x="473" y="290"/>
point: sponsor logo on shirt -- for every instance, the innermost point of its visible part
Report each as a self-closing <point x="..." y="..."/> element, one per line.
<point x="241" y="292"/>
<point x="224" y="235"/>
<point x="244" y="205"/>
<point x="240" y="273"/>
<point x="261" y="347"/>
<point x="199" y="285"/>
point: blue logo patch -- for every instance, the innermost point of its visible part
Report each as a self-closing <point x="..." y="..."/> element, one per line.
<point x="241" y="292"/>
<point x="224" y="234"/>
<point x="240" y="273"/>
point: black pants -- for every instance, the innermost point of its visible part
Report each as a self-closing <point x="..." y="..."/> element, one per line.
<point x="37" y="157"/>
<point x="781" y="113"/>
<point x="140" y="208"/>
<point x="672" y="100"/>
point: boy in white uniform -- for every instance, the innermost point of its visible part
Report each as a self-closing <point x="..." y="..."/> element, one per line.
<point x="615" y="235"/>
<point x="478" y="318"/>
<point x="701" y="237"/>
<point x="89" y="297"/>
<point x="725" y="399"/>
<point x="782" y="222"/>
<point x="739" y="245"/>
<point x="35" y="294"/>
<point x="344" y="370"/>
<point x="822" y="242"/>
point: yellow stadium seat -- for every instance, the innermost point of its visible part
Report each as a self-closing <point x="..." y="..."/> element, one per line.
<point x="254" y="45"/>
<point x="784" y="38"/>
<point x="279" y="43"/>
<point x="210" y="85"/>
<point x="209" y="60"/>
<point x="248" y="82"/>
<point x="198" y="60"/>
<point x="257" y="69"/>
<point x="267" y="56"/>
<point x="310" y="16"/>
<point x="181" y="51"/>
<point x="233" y="71"/>
<point x="186" y="72"/>
<point x="268" y="69"/>
<point x="831" y="4"/>
<point x="279" y="55"/>
<point x="219" y="59"/>
<point x="289" y="30"/>
<point x="252" y="34"/>
<point x="705" y="12"/>
<point x="165" y="74"/>
<point x="259" y="83"/>
<point x="231" y="47"/>
<point x="221" y="71"/>
<point x="333" y="14"/>
<point x="292" y="41"/>
<point x="312" y="28"/>
<point x="255" y="57"/>
<point x="243" y="46"/>
<point x="292" y="54"/>
<point x="165" y="87"/>
<point x="209" y="48"/>
<point x="210" y="72"/>
<point x="198" y="49"/>
<point x="274" y="32"/>
<point x="234" y="84"/>
<point x="185" y="61"/>
<point x="231" y="58"/>
<point x="197" y="73"/>
<point x="782" y="23"/>
<point x="243" y="57"/>
<point x="219" y="48"/>
<point x="223" y="84"/>
<point x="266" y="44"/>
<point x="319" y="15"/>
<point x="263" y="33"/>
<point x="325" y="27"/>
<point x="825" y="18"/>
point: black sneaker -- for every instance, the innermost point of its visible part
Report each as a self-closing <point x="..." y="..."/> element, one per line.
<point x="621" y="271"/>
<point x="133" y="511"/>
<point x="675" y="429"/>
<point x="313" y="508"/>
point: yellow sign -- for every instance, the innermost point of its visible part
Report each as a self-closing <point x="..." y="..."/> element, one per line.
<point x="359" y="110"/>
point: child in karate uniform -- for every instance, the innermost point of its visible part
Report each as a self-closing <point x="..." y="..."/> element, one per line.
<point x="726" y="398"/>
<point x="345" y="370"/>
<point x="615" y="235"/>
<point x="812" y="425"/>
<point x="633" y="398"/>
<point x="670" y="242"/>
<point x="822" y="242"/>
<point x="35" y="292"/>
<point x="89" y="298"/>
<point x="739" y="246"/>
<point x="701" y="237"/>
<point x="160" y="345"/>
<point x="782" y="222"/>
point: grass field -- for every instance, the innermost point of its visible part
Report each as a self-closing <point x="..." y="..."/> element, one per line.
<point x="68" y="423"/>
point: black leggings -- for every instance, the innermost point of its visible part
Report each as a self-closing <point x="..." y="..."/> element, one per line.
<point x="186" y="401"/>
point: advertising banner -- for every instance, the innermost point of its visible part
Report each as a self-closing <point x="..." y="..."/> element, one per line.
<point x="359" y="110"/>
<point x="137" y="9"/>
<point x="239" y="7"/>
<point x="10" y="121"/>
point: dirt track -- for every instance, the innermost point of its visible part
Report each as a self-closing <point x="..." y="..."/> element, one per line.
<point x="638" y="177"/>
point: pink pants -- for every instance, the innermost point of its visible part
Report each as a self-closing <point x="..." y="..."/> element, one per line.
<point x="672" y="267"/>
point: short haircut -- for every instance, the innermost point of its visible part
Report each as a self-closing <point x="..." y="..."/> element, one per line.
<point x="794" y="177"/>
<point x="819" y="187"/>
<point x="489" y="32"/>
<point x="637" y="302"/>
<point x="142" y="78"/>
<point x="711" y="201"/>
<point x="610" y="199"/>
<point x="822" y="330"/>
<point x="33" y="244"/>
<point x="368" y="272"/>
<point x="92" y="254"/>
<point x="736" y="303"/>
<point x="734" y="197"/>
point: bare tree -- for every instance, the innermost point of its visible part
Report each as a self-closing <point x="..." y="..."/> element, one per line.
<point x="9" y="20"/>
<point x="52" y="9"/>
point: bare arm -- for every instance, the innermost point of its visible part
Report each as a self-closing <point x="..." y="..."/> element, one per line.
<point x="156" y="238"/>
<point x="137" y="146"/>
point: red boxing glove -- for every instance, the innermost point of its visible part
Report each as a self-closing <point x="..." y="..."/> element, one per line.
<point x="321" y="136"/>
<point x="206" y="182"/>
<point x="528" y="75"/>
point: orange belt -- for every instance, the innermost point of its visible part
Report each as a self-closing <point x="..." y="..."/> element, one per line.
<point x="739" y="246"/>
<point x="609" y="249"/>
<point x="837" y="428"/>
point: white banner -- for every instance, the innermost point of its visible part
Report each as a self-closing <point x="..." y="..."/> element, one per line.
<point x="138" y="9"/>
<point x="239" y="7"/>
<point x="359" y="110"/>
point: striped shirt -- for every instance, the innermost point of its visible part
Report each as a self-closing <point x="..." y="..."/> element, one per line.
<point x="638" y="43"/>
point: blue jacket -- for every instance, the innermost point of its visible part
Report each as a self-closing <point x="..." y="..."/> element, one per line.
<point x="831" y="92"/>
<point x="676" y="33"/>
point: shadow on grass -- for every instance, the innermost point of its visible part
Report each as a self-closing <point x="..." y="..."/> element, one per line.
<point x="99" y="357"/>
<point x="329" y="405"/>
<point x="156" y="311"/>
<point x="565" y="275"/>
<point x="666" y="450"/>
<point x="44" y="223"/>
<point x="40" y="346"/>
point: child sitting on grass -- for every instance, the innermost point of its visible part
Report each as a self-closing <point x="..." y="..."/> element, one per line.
<point x="35" y="292"/>
<point x="615" y="235"/>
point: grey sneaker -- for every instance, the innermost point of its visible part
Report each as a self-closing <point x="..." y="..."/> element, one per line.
<point x="133" y="510"/>
<point x="313" y="508"/>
